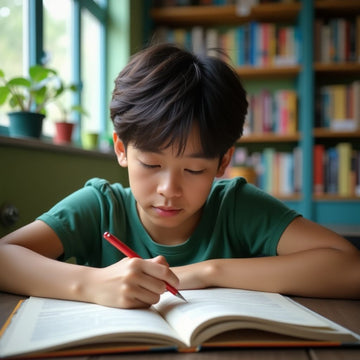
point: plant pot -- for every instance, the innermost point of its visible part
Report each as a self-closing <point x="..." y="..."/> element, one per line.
<point x="25" y="124"/>
<point x="63" y="133"/>
<point x="89" y="140"/>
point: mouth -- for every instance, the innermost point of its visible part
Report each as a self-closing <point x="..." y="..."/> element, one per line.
<point x="166" y="211"/>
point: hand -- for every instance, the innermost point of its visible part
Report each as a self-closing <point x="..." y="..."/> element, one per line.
<point x="131" y="283"/>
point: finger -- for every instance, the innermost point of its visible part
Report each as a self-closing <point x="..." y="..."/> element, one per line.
<point x="160" y="271"/>
<point x="139" y="277"/>
<point x="139" y="281"/>
<point x="135" y="296"/>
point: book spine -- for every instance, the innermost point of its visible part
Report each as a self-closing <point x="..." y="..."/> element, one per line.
<point x="332" y="170"/>
<point x="319" y="169"/>
<point x="357" y="36"/>
<point x="297" y="173"/>
<point x="344" y="178"/>
<point x="356" y="103"/>
<point x="357" y="176"/>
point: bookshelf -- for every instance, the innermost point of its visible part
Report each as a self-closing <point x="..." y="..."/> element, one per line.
<point x="304" y="76"/>
<point x="328" y="207"/>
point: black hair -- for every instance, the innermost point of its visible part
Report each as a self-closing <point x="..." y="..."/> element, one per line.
<point x="165" y="90"/>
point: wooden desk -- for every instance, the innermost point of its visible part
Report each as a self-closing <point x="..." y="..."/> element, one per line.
<point x="344" y="312"/>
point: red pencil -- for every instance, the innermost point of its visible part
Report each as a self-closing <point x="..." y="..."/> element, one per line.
<point x="113" y="240"/>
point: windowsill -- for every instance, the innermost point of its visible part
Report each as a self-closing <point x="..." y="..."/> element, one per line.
<point x="49" y="146"/>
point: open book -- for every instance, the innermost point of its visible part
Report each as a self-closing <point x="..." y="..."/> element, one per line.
<point x="212" y="317"/>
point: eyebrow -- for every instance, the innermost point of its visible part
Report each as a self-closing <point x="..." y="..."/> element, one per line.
<point x="195" y="155"/>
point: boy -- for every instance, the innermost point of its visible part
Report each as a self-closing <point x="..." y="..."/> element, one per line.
<point x="176" y="118"/>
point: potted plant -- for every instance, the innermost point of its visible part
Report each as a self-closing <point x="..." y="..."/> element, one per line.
<point x="64" y="126"/>
<point x="28" y="97"/>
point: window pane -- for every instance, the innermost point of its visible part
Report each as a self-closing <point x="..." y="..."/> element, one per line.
<point x="90" y="65"/>
<point x="11" y="40"/>
<point x="57" y="46"/>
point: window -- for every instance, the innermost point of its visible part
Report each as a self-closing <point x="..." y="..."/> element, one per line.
<point x="90" y="66"/>
<point x="57" y="52"/>
<point x="72" y="37"/>
<point x="11" y="19"/>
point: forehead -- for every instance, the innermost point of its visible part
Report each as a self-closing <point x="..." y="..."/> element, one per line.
<point x="192" y="148"/>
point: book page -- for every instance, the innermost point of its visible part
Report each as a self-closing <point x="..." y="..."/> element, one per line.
<point x="259" y="307"/>
<point x="47" y="323"/>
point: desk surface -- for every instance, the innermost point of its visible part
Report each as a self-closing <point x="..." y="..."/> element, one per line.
<point x="344" y="312"/>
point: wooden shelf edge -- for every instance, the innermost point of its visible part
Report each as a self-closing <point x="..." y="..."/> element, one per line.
<point x="187" y="15"/>
<point x="256" y="138"/>
<point x="347" y="67"/>
<point x="252" y="72"/>
<point x="334" y="6"/>
<point x="330" y="134"/>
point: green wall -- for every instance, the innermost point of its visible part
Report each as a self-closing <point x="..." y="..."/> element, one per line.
<point x="35" y="179"/>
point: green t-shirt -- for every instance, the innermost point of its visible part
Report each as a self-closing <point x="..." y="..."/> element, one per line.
<point x="238" y="221"/>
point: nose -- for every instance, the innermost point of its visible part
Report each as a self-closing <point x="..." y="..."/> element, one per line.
<point x="170" y="185"/>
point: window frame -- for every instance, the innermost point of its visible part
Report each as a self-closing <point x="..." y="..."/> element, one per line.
<point x="34" y="50"/>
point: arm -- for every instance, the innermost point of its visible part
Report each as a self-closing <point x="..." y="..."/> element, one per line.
<point x="28" y="266"/>
<point x="312" y="261"/>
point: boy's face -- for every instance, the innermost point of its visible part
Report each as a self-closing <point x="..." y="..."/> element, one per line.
<point x="170" y="189"/>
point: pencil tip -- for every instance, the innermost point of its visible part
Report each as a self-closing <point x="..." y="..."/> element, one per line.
<point x="181" y="297"/>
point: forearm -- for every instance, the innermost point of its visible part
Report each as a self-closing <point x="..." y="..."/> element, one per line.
<point x="25" y="272"/>
<point x="314" y="273"/>
<point x="128" y="283"/>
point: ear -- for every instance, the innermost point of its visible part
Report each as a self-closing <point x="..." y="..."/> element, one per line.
<point x="225" y="161"/>
<point x="120" y="151"/>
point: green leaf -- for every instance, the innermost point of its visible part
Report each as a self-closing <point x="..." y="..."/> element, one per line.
<point x="4" y="92"/>
<point x="38" y="73"/>
<point x="2" y="75"/>
<point x="19" y="81"/>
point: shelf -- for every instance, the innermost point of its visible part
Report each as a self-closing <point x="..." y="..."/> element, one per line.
<point x="269" y="138"/>
<point x="219" y="15"/>
<point x="47" y="145"/>
<point x="336" y="7"/>
<point x="251" y="72"/>
<point x="329" y="134"/>
<point x="337" y="68"/>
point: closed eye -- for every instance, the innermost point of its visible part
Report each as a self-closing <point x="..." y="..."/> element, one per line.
<point x="195" y="172"/>
<point x="149" y="166"/>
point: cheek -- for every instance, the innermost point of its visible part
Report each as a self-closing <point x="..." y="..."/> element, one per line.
<point x="198" y="189"/>
<point x="140" y="182"/>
